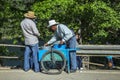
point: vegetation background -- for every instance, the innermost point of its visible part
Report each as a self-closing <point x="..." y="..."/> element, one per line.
<point x="99" y="20"/>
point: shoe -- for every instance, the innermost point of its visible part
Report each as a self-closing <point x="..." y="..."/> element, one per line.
<point x="73" y="71"/>
<point x="36" y="71"/>
<point x="26" y="70"/>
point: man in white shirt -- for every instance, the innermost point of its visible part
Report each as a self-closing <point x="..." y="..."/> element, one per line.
<point x="31" y="34"/>
<point x="64" y="35"/>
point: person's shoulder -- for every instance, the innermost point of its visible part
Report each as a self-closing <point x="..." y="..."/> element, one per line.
<point x="26" y="20"/>
<point x="62" y="25"/>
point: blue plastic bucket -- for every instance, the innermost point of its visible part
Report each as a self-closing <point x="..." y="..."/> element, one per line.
<point x="59" y="46"/>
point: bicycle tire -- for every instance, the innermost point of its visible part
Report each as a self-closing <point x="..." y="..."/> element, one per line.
<point x="46" y="69"/>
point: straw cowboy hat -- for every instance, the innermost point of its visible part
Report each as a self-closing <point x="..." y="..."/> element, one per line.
<point x="51" y="23"/>
<point x="30" y="14"/>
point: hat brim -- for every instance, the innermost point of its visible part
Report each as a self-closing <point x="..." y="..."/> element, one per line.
<point x="53" y="24"/>
<point x="26" y="15"/>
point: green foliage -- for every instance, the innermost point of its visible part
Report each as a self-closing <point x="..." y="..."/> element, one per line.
<point x="5" y="52"/>
<point x="95" y="18"/>
<point x="99" y="20"/>
<point x="53" y="9"/>
<point x="10" y="20"/>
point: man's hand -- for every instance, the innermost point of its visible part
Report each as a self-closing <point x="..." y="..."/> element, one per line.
<point x="45" y="44"/>
<point x="61" y="42"/>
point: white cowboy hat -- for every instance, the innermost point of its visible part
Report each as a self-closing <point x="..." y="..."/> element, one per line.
<point x="51" y="23"/>
<point x="30" y="14"/>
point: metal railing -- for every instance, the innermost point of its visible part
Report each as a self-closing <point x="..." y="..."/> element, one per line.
<point x="99" y="50"/>
<point x="88" y="50"/>
<point x="83" y="50"/>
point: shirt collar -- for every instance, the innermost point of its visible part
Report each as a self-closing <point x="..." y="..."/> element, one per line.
<point x="57" y="28"/>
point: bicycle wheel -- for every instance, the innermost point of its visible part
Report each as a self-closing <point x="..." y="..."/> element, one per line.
<point x="53" y="64"/>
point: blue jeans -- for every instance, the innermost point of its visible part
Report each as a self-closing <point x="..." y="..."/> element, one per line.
<point x="79" y="62"/>
<point x="31" y="57"/>
<point x="72" y="45"/>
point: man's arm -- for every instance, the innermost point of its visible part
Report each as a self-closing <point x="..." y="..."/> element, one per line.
<point x="35" y="30"/>
<point x="52" y="40"/>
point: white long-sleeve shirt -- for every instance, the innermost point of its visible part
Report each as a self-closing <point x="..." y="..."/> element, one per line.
<point x="30" y="31"/>
<point x="62" y="33"/>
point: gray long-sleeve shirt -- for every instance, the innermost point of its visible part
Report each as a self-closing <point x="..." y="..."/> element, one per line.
<point x="62" y="33"/>
<point x="30" y="31"/>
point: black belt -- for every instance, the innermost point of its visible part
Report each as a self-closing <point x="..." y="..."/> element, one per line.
<point x="72" y="37"/>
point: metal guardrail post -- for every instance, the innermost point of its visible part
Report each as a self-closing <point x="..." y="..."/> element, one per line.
<point x="97" y="50"/>
<point x="85" y="65"/>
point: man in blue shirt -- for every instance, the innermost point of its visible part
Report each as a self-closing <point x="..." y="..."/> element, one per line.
<point x="63" y="34"/>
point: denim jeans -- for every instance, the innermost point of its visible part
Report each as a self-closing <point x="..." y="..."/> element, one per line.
<point x="72" y="45"/>
<point x="79" y="62"/>
<point x="31" y="57"/>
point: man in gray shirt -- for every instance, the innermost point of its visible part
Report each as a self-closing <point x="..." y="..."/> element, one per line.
<point x="64" y="35"/>
<point x="31" y="34"/>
